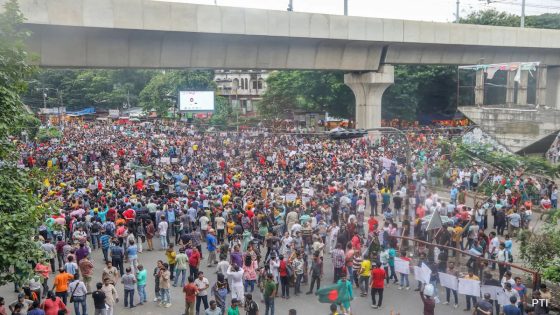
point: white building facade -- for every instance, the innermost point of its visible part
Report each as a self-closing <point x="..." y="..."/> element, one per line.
<point x="243" y="88"/>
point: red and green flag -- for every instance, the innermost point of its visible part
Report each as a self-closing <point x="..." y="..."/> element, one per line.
<point x="336" y="293"/>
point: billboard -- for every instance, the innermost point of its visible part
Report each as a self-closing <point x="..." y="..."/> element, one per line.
<point x="114" y="113"/>
<point x="196" y="101"/>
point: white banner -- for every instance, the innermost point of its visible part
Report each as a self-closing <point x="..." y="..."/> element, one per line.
<point x="291" y="197"/>
<point x="402" y="266"/>
<point x="420" y="274"/>
<point x="492" y="289"/>
<point x="448" y="281"/>
<point x="469" y="287"/>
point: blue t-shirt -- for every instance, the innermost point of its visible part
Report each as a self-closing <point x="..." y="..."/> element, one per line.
<point x="170" y="216"/>
<point x="105" y="241"/>
<point x="132" y="251"/>
<point x="210" y="242"/>
<point x="36" y="311"/>
<point x="511" y="310"/>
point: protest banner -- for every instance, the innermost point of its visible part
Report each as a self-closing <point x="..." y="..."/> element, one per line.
<point x="469" y="287"/>
<point x="502" y="297"/>
<point x="402" y="266"/>
<point x="420" y="274"/>
<point x="291" y="197"/>
<point x="448" y="281"/>
<point x="492" y="290"/>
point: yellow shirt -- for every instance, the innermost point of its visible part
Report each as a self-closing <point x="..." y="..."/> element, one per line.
<point x="230" y="226"/>
<point x="366" y="268"/>
<point x="474" y="277"/>
<point x="171" y="255"/>
<point x="458" y="231"/>
<point x="225" y="199"/>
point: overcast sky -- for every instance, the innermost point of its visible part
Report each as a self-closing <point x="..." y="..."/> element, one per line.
<point x="427" y="10"/>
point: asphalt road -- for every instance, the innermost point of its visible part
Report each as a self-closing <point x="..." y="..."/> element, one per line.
<point x="401" y="301"/>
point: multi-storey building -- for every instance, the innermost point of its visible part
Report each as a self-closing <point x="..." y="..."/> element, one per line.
<point x="243" y="88"/>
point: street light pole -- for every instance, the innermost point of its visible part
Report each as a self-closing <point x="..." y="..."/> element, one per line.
<point x="522" y="13"/>
<point x="457" y="12"/>
<point x="59" y="108"/>
<point x="291" y="6"/>
<point x="346" y="7"/>
<point x="44" y="98"/>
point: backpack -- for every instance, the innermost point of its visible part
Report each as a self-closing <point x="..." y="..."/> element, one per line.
<point x="95" y="227"/>
<point x="109" y="228"/>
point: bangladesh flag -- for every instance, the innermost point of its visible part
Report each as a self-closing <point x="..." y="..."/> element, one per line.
<point x="336" y="293"/>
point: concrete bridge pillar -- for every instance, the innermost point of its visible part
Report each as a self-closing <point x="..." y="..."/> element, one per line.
<point x="522" y="88"/>
<point x="479" y="88"/>
<point x="368" y="89"/>
<point x="553" y="87"/>
<point x="510" y="88"/>
<point x="540" y="98"/>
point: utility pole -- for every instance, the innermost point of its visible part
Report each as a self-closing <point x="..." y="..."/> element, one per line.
<point x="522" y="13"/>
<point x="291" y="6"/>
<point x="60" y="108"/>
<point x="44" y="98"/>
<point x="457" y="12"/>
<point x="346" y="7"/>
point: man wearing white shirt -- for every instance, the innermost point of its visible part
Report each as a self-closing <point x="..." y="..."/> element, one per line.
<point x="333" y="234"/>
<point x="78" y="293"/>
<point x="493" y="247"/>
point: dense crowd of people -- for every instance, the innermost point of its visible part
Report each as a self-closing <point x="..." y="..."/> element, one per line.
<point x="266" y="211"/>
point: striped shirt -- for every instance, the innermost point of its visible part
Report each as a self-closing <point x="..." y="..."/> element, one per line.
<point x="338" y="258"/>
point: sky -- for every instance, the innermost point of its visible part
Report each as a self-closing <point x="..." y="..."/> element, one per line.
<point x="424" y="10"/>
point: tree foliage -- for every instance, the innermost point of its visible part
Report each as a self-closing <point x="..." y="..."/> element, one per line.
<point x="541" y="250"/>
<point x="464" y="155"/>
<point x="223" y="112"/>
<point x="78" y="89"/>
<point x="21" y="211"/>
<point x="497" y="18"/>
<point x="420" y="90"/>
<point x="307" y="90"/>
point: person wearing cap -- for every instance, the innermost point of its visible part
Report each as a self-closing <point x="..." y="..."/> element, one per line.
<point x="484" y="306"/>
<point x="211" y="244"/>
<point x="23" y="301"/>
<point x="251" y="307"/>
<point x="428" y="301"/>
<point x="234" y="308"/>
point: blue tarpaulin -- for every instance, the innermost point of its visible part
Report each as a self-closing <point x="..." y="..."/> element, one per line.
<point x="83" y="112"/>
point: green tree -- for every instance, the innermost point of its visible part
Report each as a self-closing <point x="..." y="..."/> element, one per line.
<point x="77" y="89"/>
<point x="491" y="17"/>
<point x="420" y="89"/>
<point x="161" y="93"/>
<point x="223" y="112"/>
<point x="21" y="211"/>
<point x="497" y="18"/>
<point x="307" y="90"/>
